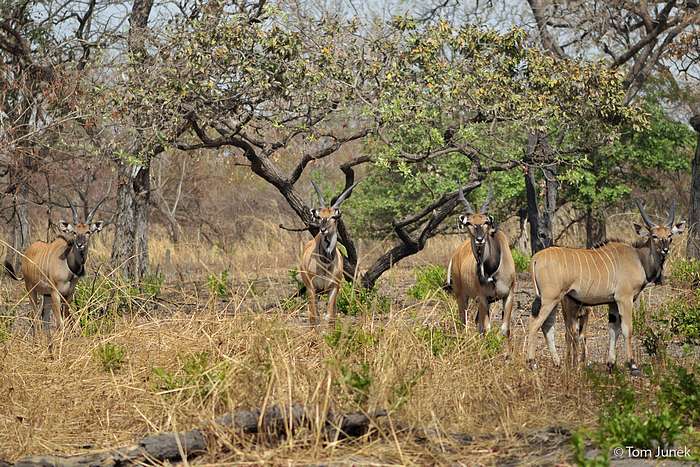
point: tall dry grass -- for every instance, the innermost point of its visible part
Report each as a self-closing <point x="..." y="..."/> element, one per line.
<point x="183" y="371"/>
<point x="189" y="356"/>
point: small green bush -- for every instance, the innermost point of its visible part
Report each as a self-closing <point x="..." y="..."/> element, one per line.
<point x="295" y="278"/>
<point x="354" y="301"/>
<point x="681" y="391"/>
<point x="197" y="376"/>
<point x="358" y="379"/>
<point x="219" y="285"/>
<point x="683" y="314"/>
<point x="492" y="343"/>
<point x="110" y="356"/>
<point x="653" y="329"/>
<point x="436" y="339"/>
<point x="152" y="284"/>
<point x="350" y="339"/>
<point x="686" y="272"/>
<point x="627" y="420"/>
<point x="521" y="260"/>
<point x="430" y="281"/>
<point x="99" y="301"/>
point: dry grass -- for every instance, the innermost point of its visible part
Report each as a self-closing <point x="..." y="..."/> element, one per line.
<point x="64" y="400"/>
<point x="191" y="356"/>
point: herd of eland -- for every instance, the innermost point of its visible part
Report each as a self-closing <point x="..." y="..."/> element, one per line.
<point x="482" y="268"/>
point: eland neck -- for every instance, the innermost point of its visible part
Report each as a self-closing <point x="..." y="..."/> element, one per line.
<point x="488" y="257"/>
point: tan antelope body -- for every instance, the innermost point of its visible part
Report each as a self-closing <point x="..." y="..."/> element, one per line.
<point x="482" y="268"/>
<point x="51" y="270"/>
<point x="612" y="274"/>
<point x="321" y="260"/>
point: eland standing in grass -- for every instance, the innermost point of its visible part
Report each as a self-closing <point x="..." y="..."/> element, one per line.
<point x="482" y="268"/>
<point x="612" y="274"/>
<point x="51" y="270"/>
<point x="322" y="262"/>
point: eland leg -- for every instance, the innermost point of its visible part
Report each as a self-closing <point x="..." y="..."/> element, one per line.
<point x="570" y="309"/>
<point x="482" y="317"/>
<point x="507" y="312"/>
<point x="614" y="331"/>
<point x="540" y="319"/>
<point x="332" y="297"/>
<point x="626" y="308"/>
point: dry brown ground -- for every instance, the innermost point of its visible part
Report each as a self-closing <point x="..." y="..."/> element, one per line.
<point x="258" y="352"/>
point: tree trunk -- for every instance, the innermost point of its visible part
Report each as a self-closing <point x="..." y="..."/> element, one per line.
<point x="551" y="186"/>
<point x="693" y="249"/>
<point x="142" y="189"/>
<point x="533" y="214"/>
<point x="541" y="221"/>
<point x="130" y="248"/>
<point x="595" y="228"/>
<point x="386" y="261"/>
<point x="21" y="232"/>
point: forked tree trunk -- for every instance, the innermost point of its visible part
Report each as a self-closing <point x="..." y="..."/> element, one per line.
<point x="693" y="250"/>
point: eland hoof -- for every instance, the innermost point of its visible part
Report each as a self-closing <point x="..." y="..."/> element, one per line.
<point x="635" y="371"/>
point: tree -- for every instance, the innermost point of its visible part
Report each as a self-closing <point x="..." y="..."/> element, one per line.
<point x="44" y="46"/>
<point x="635" y="37"/>
<point x="693" y="248"/>
<point x="423" y="96"/>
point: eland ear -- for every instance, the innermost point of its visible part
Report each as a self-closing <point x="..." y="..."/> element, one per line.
<point x="96" y="226"/>
<point x="492" y="223"/>
<point x="463" y="220"/>
<point x="641" y="231"/>
<point x="678" y="228"/>
<point x="64" y="227"/>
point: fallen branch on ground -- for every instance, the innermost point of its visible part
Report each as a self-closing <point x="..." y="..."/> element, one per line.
<point x="276" y="420"/>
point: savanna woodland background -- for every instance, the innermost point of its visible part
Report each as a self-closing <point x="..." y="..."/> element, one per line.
<point x="203" y="122"/>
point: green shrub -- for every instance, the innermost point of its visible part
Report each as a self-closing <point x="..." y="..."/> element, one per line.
<point x="110" y="356"/>
<point x="627" y="420"/>
<point x="358" y="379"/>
<point x="492" y="342"/>
<point x="197" y="376"/>
<point x="686" y="272"/>
<point x="151" y="284"/>
<point x="98" y="302"/>
<point x="683" y="314"/>
<point x="681" y="391"/>
<point x="219" y="285"/>
<point x="521" y="260"/>
<point x="436" y="339"/>
<point x="295" y="279"/>
<point x="430" y="281"/>
<point x="578" y="441"/>
<point x="653" y="329"/>
<point x="350" y="339"/>
<point x="354" y="301"/>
